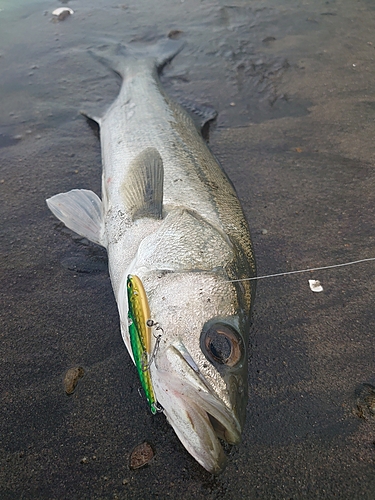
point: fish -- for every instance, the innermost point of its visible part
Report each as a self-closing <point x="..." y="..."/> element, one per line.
<point x="169" y="215"/>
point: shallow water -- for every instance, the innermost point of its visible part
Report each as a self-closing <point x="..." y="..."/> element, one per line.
<point x="293" y="83"/>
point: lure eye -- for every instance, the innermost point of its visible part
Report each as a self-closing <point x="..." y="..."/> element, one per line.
<point x="222" y="345"/>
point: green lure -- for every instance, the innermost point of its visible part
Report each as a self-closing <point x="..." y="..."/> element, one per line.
<point x="140" y="336"/>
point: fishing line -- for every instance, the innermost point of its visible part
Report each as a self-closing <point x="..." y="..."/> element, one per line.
<point x="304" y="270"/>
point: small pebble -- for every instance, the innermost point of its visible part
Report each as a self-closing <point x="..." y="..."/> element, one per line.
<point x="263" y="231"/>
<point x="71" y="379"/>
<point x="141" y="455"/>
<point x="174" y="34"/>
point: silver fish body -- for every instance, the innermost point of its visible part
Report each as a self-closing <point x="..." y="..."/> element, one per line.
<point x="170" y="216"/>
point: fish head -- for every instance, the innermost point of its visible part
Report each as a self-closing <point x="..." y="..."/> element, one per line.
<point x="199" y="372"/>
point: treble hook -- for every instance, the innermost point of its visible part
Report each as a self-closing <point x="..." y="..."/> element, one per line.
<point x="146" y="365"/>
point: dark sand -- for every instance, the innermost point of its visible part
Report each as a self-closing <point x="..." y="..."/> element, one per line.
<point x="293" y="82"/>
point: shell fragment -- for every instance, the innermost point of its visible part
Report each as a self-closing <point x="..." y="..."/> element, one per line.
<point x="315" y="286"/>
<point x="62" y="12"/>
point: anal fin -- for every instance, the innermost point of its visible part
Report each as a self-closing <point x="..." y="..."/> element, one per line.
<point x="81" y="211"/>
<point x="142" y="189"/>
<point x="93" y="121"/>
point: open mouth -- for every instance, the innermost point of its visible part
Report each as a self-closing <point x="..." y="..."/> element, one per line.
<point x="199" y="418"/>
<point x="220" y="430"/>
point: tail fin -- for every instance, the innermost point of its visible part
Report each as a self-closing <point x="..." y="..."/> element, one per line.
<point x="119" y="57"/>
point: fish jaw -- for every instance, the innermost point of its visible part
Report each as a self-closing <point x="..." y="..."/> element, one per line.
<point x="196" y="414"/>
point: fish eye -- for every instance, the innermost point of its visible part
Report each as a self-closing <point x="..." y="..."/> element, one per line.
<point x="222" y="344"/>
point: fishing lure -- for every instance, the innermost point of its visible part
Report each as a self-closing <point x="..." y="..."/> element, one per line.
<point x="140" y="336"/>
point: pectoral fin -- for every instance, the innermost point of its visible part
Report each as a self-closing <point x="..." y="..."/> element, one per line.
<point x="81" y="211"/>
<point x="142" y="190"/>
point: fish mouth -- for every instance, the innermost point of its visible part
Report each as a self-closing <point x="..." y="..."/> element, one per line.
<point x="197" y="415"/>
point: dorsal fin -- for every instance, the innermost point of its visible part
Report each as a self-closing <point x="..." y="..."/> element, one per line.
<point x="142" y="189"/>
<point x="201" y="114"/>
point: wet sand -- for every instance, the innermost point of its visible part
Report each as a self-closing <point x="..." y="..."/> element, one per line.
<point x="293" y="83"/>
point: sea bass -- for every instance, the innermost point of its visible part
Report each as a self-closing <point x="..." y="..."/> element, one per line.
<point x="170" y="216"/>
